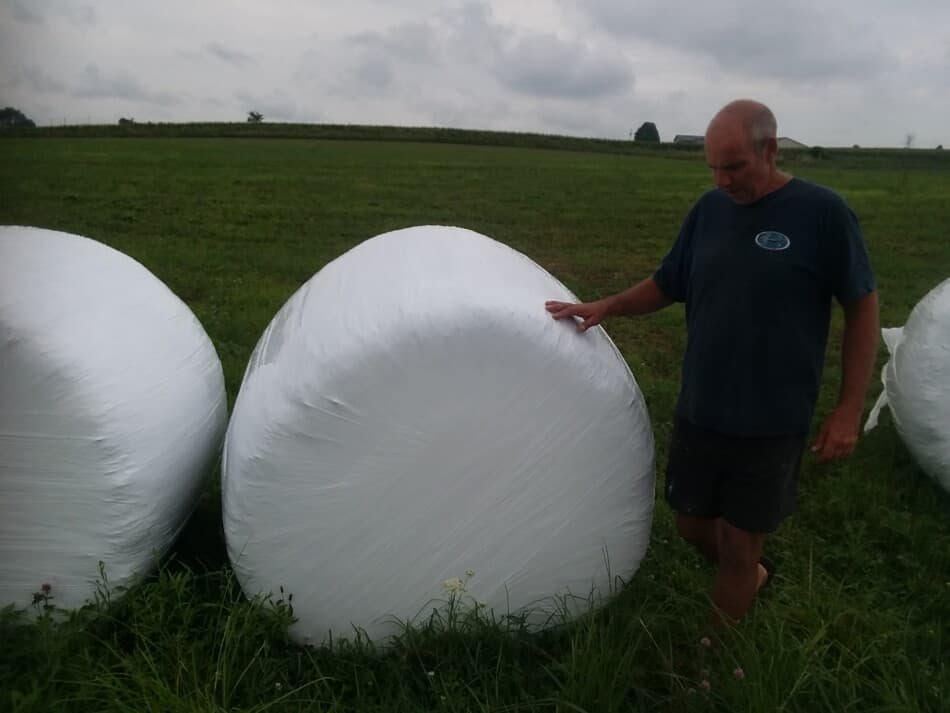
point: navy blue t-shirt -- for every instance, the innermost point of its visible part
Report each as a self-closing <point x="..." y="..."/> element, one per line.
<point x="758" y="281"/>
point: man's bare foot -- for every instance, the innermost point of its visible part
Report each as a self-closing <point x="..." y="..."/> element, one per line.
<point x="766" y="572"/>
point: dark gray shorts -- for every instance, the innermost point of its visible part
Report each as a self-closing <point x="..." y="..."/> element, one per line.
<point x="751" y="482"/>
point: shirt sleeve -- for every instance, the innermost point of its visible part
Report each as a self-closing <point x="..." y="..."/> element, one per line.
<point x="852" y="277"/>
<point x="672" y="276"/>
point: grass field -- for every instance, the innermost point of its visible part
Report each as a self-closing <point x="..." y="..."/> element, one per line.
<point x="859" y="619"/>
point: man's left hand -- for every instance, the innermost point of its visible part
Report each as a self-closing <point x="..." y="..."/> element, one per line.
<point x="838" y="435"/>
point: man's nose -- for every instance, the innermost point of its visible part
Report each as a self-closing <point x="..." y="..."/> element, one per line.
<point x="721" y="179"/>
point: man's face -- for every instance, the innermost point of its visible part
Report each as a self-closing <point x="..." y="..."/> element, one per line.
<point x="737" y="169"/>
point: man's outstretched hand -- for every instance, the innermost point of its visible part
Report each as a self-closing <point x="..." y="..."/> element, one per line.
<point x="838" y="435"/>
<point x="590" y="313"/>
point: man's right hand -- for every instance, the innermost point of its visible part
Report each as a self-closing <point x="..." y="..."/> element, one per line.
<point x="643" y="298"/>
<point x="591" y="313"/>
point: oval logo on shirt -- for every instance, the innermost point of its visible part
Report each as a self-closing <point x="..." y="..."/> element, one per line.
<point x="772" y="240"/>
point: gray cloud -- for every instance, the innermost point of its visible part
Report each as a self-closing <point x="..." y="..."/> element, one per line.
<point x="75" y="12"/>
<point x="79" y="14"/>
<point x="374" y="72"/>
<point x="35" y="78"/>
<point x="235" y="57"/>
<point x="379" y="57"/>
<point x="467" y="41"/>
<point x="473" y="33"/>
<point x="543" y="65"/>
<point x="24" y="12"/>
<point x="531" y="63"/>
<point x="813" y="43"/>
<point x="401" y="54"/>
<point x="94" y="84"/>
<point x="414" y="42"/>
<point x="367" y="76"/>
<point x="462" y="66"/>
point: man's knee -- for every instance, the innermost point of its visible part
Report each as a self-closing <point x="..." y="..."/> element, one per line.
<point x="739" y="550"/>
<point x="697" y="531"/>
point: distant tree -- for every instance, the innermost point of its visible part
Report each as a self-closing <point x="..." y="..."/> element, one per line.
<point x="855" y="146"/>
<point x="126" y="122"/>
<point x="14" y="117"/>
<point x="939" y="147"/>
<point x="255" y="117"/>
<point x="647" y="132"/>
<point x="909" y="141"/>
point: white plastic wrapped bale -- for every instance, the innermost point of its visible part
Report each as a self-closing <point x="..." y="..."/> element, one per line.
<point x="413" y="422"/>
<point x="917" y="383"/>
<point x="112" y="410"/>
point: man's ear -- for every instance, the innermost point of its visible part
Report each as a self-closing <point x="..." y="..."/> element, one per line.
<point x="771" y="148"/>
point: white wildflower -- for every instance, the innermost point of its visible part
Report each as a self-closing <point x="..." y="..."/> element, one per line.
<point x="453" y="586"/>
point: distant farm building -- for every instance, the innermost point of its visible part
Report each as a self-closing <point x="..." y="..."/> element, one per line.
<point x="688" y="139"/>
<point x="784" y="142"/>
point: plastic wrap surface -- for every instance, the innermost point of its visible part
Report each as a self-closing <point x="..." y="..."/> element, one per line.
<point x="413" y="422"/>
<point x="916" y="382"/>
<point x="112" y="410"/>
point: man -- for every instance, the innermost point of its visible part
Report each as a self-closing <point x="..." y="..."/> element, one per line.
<point x="757" y="262"/>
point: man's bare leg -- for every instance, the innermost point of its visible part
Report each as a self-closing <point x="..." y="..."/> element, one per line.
<point x="740" y="573"/>
<point x="732" y="549"/>
<point x="701" y="533"/>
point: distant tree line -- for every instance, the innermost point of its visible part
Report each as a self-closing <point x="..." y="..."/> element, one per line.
<point x="14" y="117"/>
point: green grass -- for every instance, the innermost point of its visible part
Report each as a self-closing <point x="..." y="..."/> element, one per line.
<point x="859" y="620"/>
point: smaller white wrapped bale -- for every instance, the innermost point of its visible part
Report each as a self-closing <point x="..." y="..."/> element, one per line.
<point x="414" y="426"/>
<point x="917" y="383"/>
<point x="112" y="410"/>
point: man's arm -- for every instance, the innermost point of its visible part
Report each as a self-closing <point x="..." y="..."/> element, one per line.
<point x="643" y="298"/>
<point x="839" y="433"/>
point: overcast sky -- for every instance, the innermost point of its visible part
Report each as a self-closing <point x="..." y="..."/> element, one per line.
<point x="868" y="72"/>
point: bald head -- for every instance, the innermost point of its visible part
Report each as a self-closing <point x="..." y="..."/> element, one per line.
<point x="741" y="148"/>
<point x="754" y="119"/>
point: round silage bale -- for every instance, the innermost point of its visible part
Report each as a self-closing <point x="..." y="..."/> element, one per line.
<point x="413" y="426"/>
<point x="916" y="382"/>
<point x="112" y="409"/>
